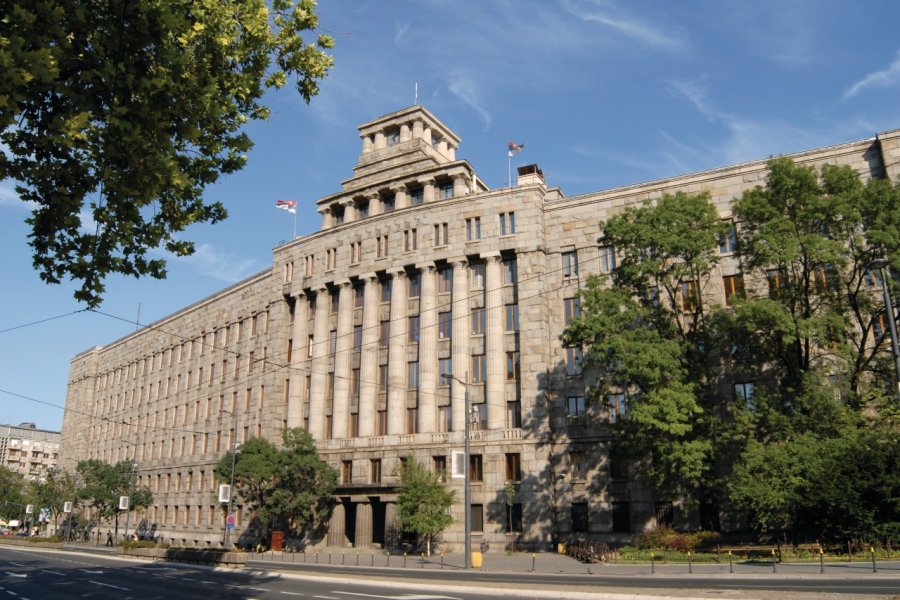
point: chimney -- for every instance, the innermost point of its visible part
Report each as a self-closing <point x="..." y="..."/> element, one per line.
<point x="529" y="175"/>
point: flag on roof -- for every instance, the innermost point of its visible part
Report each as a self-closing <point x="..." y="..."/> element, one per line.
<point x="288" y="205"/>
<point x="514" y="148"/>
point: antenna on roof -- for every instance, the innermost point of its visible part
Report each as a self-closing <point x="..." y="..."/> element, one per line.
<point x="417" y="94"/>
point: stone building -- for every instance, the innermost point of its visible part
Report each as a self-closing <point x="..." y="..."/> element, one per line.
<point x="28" y="450"/>
<point x="419" y="273"/>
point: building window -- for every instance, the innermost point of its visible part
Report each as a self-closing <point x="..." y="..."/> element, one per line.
<point x="513" y="414"/>
<point x="355" y="252"/>
<point x="330" y="258"/>
<point x="618" y="407"/>
<point x="384" y="333"/>
<point x="621" y="517"/>
<point x="477" y="271"/>
<point x="607" y="259"/>
<point x="575" y="408"/>
<point x="872" y="278"/>
<point x="415" y="285"/>
<point x="388" y="203"/>
<point x="346" y="471"/>
<point x="473" y="229"/>
<point x="570" y="264"/>
<point x="775" y="278"/>
<point x="410" y="241"/>
<point x="375" y="470"/>
<point x="578" y="465"/>
<point x="440" y="466"/>
<point x="362" y="209"/>
<point x="512" y="366"/>
<point x="445" y="281"/>
<point x="381" y="246"/>
<point x="571" y="309"/>
<point x="514" y="517"/>
<point x="382" y="377"/>
<point x="513" y="466"/>
<point x="479" y="368"/>
<point x="507" y="223"/>
<point x="386" y="286"/>
<point x="477" y="517"/>
<point x="579" y="517"/>
<point x="728" y="241"/>
<point x="445" y="325"/>
<point x="392" y="137"/>
<point x="412" y="371"/>
<point x="445" y="191"/>
<point x="359" y="296"/>
<point x="479" y="412"/>
<point x="734" y="288"/>
<point x="416" y="196"/>
<point x="411" y="418"/>
<point x="445" y="367"/>
<point x="353" y="422"/>
<point x="574" y="361"/>
<point x="689" y="299"/>
<point x="308" y="265"/>
<point x="354" y="382"/>
<point x="478" y="321"/>
<point x="413" y="334"/>
<point x="441" y="234"/>
<point x="744" y="392"/>
<point x="381" y="422"/>
<point x="476" y="471"/>
<point x="445" y="422"/>
<point x="510" y="272"/>
<point x="332" y="341"/>
<point x="512" y="318"/>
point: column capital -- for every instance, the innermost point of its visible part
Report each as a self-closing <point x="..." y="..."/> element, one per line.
<point x="430" y="179"/>
<point x="458" y="260"/>
<point x="324" y="209"/>
<point x="299" y="294"/>
<point x="343" y="283"/>
<point x="369" y="276"/>
<point x="491" y="256"/>
<point x="397" y="188"/>
<point x="319" y="288"/>
<point x="427" y="265"/>
<point x="399" y="272"/>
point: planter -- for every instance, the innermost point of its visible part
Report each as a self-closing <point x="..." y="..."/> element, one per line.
<point x="198" y="556"/>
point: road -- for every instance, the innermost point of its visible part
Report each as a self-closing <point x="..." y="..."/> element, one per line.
<point x="51" y="575"/>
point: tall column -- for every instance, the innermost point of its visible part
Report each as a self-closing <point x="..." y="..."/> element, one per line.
<point x="368" y="366"/>
<point x="401" y="197"/>
<point x="375" y="207"/>
<point x="391" y="531"/>
<point x="363" y="537"/>
<point x="397" y="354"/>
<point x="459" y="341"/>
<point x="340" y="413"/>
<point x="299" y="336"/>
<point x="327" y="221"/>
<point x="337" y="527"/>
<point x="428" y="349"/>
<point x="319" y="366"/>
<point x="366" y="144"/>
<point x="349" y="210"/>
<point x="404" y="132"/>
<point x="496" y="359"/>
<point x="427" y="190"/>
<point x="418" y="127"/>
<point x="460" y="185"/>
<point x="380" y="141"/>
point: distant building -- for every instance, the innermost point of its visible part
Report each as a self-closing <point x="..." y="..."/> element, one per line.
<point x="28" y="450"/>
<point x="420" y="271"/>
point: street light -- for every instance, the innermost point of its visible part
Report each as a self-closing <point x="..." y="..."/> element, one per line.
<point x="234" y="453"/>
<point x="130" y="487"/>
<point x="467" y="494"/>
<point x="882" y="265"/>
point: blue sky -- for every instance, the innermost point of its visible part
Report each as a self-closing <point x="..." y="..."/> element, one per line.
<point x="603" y="93"/>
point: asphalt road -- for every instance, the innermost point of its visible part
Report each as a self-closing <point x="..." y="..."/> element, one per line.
<point x="50" y="575"/>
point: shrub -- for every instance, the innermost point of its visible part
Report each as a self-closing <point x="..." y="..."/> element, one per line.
<point x="666" y="538"/>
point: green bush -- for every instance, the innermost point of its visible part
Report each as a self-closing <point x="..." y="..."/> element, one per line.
<point x="666" y="538"/>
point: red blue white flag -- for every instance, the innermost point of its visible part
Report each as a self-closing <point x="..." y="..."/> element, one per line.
<point x="514" y="148"/>
<point x="288" y="205"/>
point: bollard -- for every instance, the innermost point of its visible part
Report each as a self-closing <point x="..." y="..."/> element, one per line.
<point x="533" y="559"/>
<point x="317" y="557"/>
<point x="730" y="563"/>
<point x="404" y="560"/>
<point x="293" y="556"/>
<point x="442" y="560"/>
<point x="344" y="557"/>
<point x="821" y="561"/>
<point x="690" y="562"/>
<point x="652" y="562"/>
<point x="872" y="552"/>
<point x="422" y="564"/>
<point x="329" y="557"/>
<point x="774" y="568"/>
<point x="373" y="560"/>
<point x="388" y="559"/>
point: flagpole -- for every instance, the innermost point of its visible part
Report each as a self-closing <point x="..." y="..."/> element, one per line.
<point x="295" y="224"/>
<point x="509" y="168"/>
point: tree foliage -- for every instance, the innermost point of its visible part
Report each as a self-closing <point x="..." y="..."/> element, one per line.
<point x="288" y="488"/>
<point x="116" y="116"/>
<point x="52" y="492"/>
<point x="805" y="330"/>
<point x="423" y="502"/>
<point x="102" y="484"/>
<point x="12" y="494"/>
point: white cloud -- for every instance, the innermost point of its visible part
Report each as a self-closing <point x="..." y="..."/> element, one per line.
<point x="464" y="87"/>
<point x="9" y="196"/>
<point x="400" y="32"/>
<point x="881" y="79"/>
<point x="212" y="262"/>
<point x="606" y="13"/>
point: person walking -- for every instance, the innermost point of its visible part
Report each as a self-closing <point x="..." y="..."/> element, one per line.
<point x="109" y="540"/>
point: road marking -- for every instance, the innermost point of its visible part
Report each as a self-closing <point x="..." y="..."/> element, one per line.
<point x="90" y="572"/>
<point x="256" y="589"/>
<point x="326" y="597"/>
<point x="17" y="564"/>
<point x="109" y="585"/>
<point x="20" y="575"/>
<point x="293" y="593"/>
<point x="208" y="582"/>
<point x="402" y="597"/>
<point x="54" y="572"/>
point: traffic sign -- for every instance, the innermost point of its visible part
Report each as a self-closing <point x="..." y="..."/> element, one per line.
<point x="229" y="522"/>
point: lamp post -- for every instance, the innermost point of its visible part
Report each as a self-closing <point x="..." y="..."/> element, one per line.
<point x="467" y="494"/>
<point x="882" y="265"/>
<point x="234" y="453"/>
<point x="130" y="497"/>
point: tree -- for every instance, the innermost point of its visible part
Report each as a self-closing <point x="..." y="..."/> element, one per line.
<point x="288" y="488"/>
<point x="116" y="116"/>
<point x="103" y="484"/>
<point x="12" y="494"/>
<point x="649" y="336"/>
<point x="51" y="493"/>
<point x="423" y="502"/>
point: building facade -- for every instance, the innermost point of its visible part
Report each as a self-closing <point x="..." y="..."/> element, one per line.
<point x="422" y="285"/>
<point x="28" y="450"/>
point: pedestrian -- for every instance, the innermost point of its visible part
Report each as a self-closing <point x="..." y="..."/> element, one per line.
<point x="109" y="540"/>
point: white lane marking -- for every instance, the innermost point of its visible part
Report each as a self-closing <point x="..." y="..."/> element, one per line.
<point x="54" y="572"/>
<point x="293" y="593"/>
<point x="109" y="585"/>
<point x="17" y="564"/>
<point x="326" y="597"/>
<point x="20" y="575"/>
<point x="403" y="597"/>
<point x="256" y="589"/>
<point x="208" y="582"/>
<point x="90" y="572"/>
